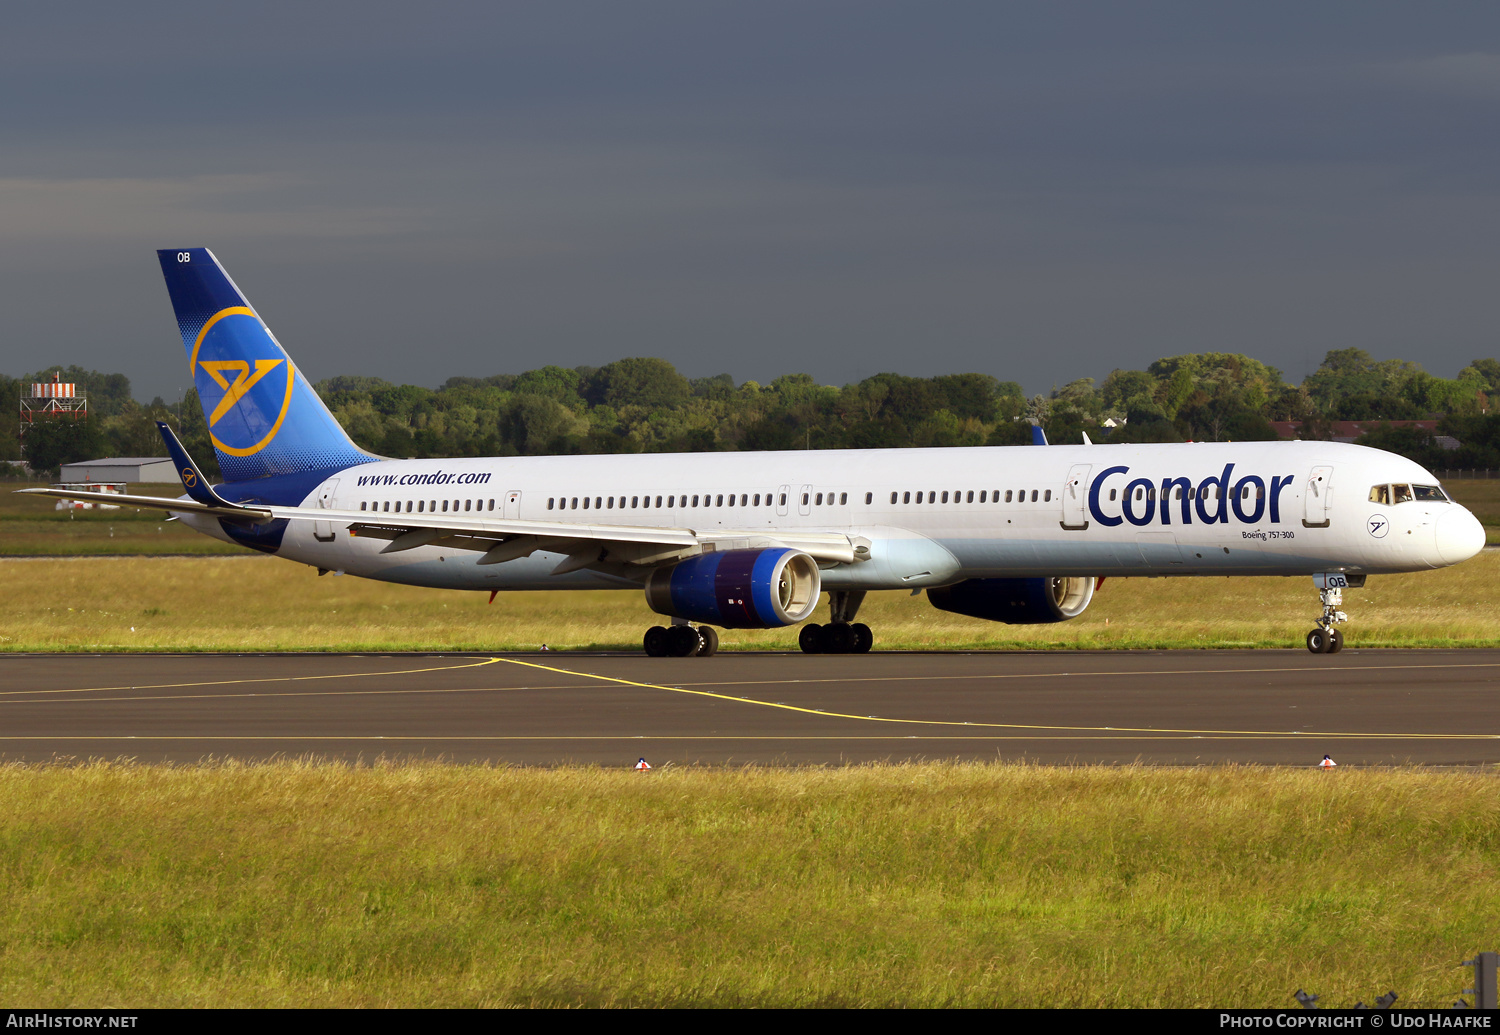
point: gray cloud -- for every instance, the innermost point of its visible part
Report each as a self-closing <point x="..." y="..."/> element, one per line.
<point x="1473" y="74"/>
<point x="1038" y="191"/>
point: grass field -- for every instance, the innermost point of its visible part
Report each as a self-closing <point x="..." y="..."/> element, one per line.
<point x="250" y="602"/>
<point x="263" y="603"/>
<point x="29" y="526"/>
<point x="925" y="885"/>
<point x="921" y="885"/>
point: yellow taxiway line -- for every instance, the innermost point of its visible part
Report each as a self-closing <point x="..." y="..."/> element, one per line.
<point x="1007" y="725"/>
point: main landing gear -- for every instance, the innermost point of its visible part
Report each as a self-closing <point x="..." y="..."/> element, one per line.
<point x="842" y="635"/>
<point x="1325" y="639"/>
<point x="682" y="641"/>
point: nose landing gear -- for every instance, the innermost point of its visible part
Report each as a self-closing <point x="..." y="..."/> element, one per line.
<point x="1325" y="639"/>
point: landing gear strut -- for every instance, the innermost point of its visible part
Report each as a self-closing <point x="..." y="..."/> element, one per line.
<point x="841" y="635"/>
<point x="1325" y="639"/>
<point x="681" y="641"/>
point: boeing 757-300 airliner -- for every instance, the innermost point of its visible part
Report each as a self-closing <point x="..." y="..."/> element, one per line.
<point x="750" y="540"/>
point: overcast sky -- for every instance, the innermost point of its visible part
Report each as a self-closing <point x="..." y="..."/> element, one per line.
<point x="1040" y="191"/>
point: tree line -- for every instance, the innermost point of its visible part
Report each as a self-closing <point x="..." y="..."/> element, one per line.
<point x="645" y="405"/>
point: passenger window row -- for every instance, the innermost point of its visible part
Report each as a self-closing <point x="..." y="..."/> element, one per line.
<point x="1210" y="492"/>
<point x="967" y="496"/>
<point x="809" y="499"/>
<point x="672" y="502"/>
<point x="427" y="506"/>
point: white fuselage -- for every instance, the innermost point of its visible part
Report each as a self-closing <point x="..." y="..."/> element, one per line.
<point x="1298" y="508"/>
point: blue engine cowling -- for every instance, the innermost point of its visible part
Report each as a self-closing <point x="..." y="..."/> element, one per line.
<point x="738" y="589"/>
<point x="1016" y="601"/>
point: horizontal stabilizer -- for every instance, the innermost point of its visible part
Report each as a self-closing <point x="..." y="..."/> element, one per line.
<point x="180" y="506"/>
<point x="192" y="479"/>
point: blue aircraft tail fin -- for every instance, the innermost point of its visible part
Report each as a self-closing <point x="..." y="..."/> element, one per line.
<point x="263" y="417"/>
<point x="1038" y="436"/>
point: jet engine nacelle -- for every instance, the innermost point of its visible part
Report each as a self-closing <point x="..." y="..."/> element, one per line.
<point x="738" y="589"/>
<point x="1016" y="601"/>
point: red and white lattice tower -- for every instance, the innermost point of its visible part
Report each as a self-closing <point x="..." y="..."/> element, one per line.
<point x="51" y="400"/>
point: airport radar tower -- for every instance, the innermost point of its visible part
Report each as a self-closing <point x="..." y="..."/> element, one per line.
<point x="51" y="401"/>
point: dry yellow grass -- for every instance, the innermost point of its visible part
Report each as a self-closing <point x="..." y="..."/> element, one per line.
<point x="260" y="603"/>
<point x="919" y="885"/>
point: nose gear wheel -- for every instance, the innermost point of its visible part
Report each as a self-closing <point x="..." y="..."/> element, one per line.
<point x="1325" y="639"/>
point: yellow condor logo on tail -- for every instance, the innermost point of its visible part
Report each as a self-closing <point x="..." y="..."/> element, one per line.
<point x="244" y="380"/>
<point x="242" y="384"/>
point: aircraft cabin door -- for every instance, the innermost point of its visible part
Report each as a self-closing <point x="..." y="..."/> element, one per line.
<point x="1075" y="498"/>
<point x="1315" y="497"/>
<point x="804" y="501"/>
<point x="781" y="494"/>
<point x="513" y="504"/>
<point x="323" y="530"/>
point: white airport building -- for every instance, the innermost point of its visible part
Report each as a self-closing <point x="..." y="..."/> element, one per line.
<point x="121" y="469"/>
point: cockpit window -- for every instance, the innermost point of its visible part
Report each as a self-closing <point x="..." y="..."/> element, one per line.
<point x="1388" y="494"/>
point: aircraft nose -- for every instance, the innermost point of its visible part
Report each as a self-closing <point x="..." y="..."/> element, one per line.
<point x="1459" y="535"/>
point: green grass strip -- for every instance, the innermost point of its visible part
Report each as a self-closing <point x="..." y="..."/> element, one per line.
<point x="265" y="603"/>
<point x="298" y="884"/>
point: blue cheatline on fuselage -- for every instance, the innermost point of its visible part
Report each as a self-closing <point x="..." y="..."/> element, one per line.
<point x="286" y="490"/>
<point x="263" y="417"/>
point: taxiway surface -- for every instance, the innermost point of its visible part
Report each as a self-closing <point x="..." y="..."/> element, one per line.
<point x="1177" y="707"/>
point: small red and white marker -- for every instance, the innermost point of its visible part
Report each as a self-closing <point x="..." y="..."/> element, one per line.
<point x="1327" y="763"/>
<point x="642" y="766"/>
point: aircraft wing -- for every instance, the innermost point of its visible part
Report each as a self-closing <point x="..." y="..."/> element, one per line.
<point x="504" y="539"/>
<point x="587" y="545"/>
